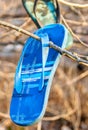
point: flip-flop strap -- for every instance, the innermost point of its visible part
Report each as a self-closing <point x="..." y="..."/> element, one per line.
<point x="18" y="78"/>
<point x="57" y="11"/>
<point x="30" y="14"/>
<point x="45" y="51"/>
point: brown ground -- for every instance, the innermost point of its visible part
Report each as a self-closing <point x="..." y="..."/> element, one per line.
<point x="68" y="102"/>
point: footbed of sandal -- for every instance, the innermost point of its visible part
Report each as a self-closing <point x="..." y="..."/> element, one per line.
<point x="42" y="12"/>
<point x="34" y="74"/>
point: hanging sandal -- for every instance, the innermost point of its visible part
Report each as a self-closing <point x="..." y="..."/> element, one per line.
<point x="34" y="74"/>
<point x="42" y="12"/>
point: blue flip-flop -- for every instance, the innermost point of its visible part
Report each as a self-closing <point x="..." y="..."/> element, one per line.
<point x="34" y="74"/>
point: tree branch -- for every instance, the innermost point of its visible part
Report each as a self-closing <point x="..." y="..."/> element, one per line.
<point x="73" y="34"/>
<point x="5" y="24"/>
<point x="4" y="115"/>
<point x="52" y="45"/>
<point x="57" y="117"/>
<point x="73" y="4"/>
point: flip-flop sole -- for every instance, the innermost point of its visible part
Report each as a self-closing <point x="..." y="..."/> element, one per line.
<point x="29" y="106"/>
<point x="47" y="12"/>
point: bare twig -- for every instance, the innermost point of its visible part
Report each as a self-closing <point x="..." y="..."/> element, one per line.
<point x="69" y="54"/>
<point x="73" y="4"/>
<point x="39" y="125"/>
<point x="4" y="115"/>
<point x="13" y="31"/>
<point x="81" y="76"/>
<point x="76" y="22"/>
<point x="79" y="13"/>
<point x="59" y="116"/>
<point x="73" y="34"/>
<point x="52" y="45"/>
<point x="18" y="29"/>
<point x="6" y="123"/>
<point x="78" y="112"/>
<point x="23" y="26"/>
<point x="3" y="74"/>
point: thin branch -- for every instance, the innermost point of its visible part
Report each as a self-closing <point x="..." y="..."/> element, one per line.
<point x="82" y="56"/>
<point x="81" y="76"/>
<point x="52" y="45"/>
<point x="78" y="112"/>
<point x="18" y="29"/>
<point x="4" y="115"/>
<point x="6" y="123"/>
<point x="78" y="12"/>
<point x="39" y="125"/>
<point x="59" y="116"/>
<point x="69" y="54"/>
<point x="3" y="74"/>
<point x="73" y="34"/>
<point x="76" y="22"/>
<point x="73" y="4"/>
<point x="13" y="31"/>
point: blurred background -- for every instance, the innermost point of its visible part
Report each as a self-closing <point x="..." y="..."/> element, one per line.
<point x="68" y="101"/>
